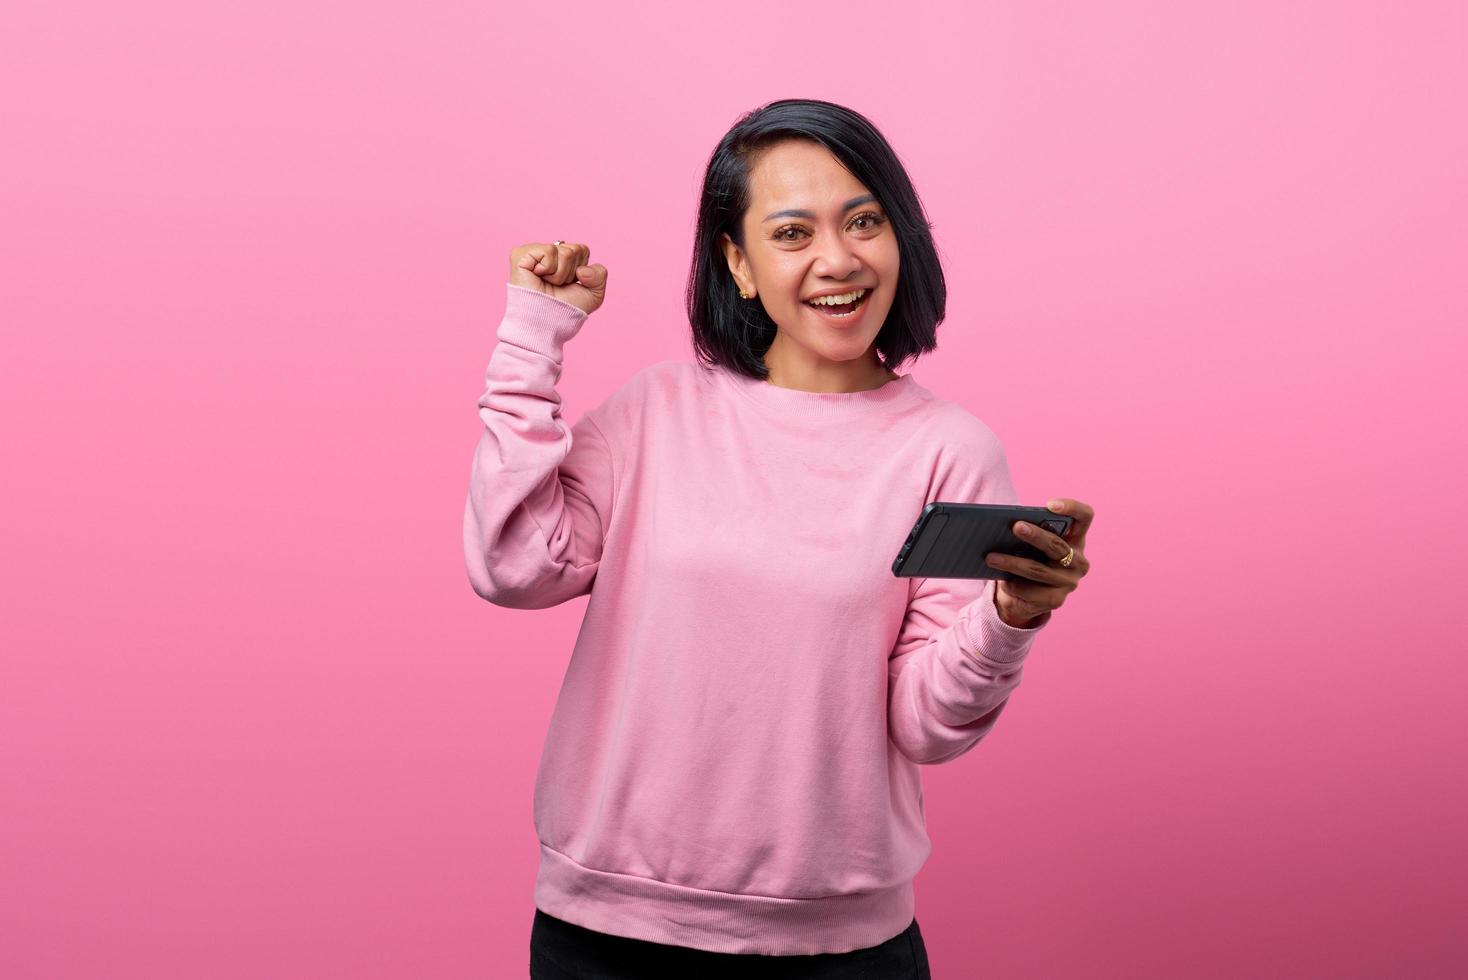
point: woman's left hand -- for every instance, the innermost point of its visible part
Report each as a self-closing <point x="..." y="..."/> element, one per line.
<point x="1028" y="604"/>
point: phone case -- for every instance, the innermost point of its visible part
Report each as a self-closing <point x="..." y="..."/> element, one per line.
<point x="950" y="540"/>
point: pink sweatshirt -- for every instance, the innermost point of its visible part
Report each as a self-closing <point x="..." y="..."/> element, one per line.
<point x="733" y="760"/>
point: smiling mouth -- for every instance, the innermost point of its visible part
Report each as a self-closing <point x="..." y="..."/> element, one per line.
<point x="844" y="310"/>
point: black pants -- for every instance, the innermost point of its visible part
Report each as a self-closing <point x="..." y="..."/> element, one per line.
<point x="561" y="950"/>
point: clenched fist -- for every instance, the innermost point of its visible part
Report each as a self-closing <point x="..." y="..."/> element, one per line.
<point x="560" y="271"/>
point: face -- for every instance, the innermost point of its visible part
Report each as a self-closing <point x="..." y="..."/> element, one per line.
<point x="813" y="228"/>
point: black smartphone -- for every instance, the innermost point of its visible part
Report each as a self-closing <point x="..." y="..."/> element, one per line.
<point x="950" y="540"/>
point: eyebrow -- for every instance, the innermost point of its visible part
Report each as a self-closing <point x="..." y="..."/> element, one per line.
<point x="799" y="213"/>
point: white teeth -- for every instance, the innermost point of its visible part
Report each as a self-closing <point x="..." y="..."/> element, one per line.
<point x="837" y="300"/>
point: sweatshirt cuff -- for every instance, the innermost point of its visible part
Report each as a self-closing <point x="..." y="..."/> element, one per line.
<point x="992" y="639"/>
<point x="537" y="321"/>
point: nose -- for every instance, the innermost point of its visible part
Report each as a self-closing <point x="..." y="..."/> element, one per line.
<point x="835" y="258"/>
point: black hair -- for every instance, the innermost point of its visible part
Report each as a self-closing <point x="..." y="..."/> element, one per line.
<point x="734" y="333"/>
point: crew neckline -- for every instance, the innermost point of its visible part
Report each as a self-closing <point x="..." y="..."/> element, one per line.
<point x="821" y="404"/>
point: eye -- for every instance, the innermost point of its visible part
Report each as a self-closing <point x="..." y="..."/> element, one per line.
<point x="874" y="220"/>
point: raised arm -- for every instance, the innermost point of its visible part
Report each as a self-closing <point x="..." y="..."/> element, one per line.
<point x="540" y="492"/>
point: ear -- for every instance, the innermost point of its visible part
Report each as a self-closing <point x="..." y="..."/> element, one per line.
<point x="738" y="264"/>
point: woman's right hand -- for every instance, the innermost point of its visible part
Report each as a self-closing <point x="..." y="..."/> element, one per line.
<point x="560" y="271"/>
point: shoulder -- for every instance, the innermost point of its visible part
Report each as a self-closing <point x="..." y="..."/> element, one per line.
<point x="659" y="380"/>
<point x="666" y="374"/>
<point x="960" y="430"/>
<point x="969" y="461"/>
<point x="649" y="389"/>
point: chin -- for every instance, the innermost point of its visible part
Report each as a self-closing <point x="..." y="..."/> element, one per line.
<point x="854" y="349"/>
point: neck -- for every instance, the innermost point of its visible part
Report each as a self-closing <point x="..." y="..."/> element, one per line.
<point x="827" y="376"/>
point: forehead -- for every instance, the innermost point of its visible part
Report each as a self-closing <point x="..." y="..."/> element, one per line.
<point x="800" y="174"/>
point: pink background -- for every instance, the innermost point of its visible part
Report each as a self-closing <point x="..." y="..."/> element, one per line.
<point x="1206" y="269"/>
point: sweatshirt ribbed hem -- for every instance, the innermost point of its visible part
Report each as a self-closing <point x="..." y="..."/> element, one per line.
<point x="725" y="922"/>
<point x="539" y="322"/>
<point x="991" y="638"/>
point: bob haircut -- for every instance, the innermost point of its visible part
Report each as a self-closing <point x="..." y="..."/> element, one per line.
<point x="735" y="333"/>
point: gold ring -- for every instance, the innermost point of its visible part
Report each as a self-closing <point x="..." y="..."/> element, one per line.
<point x="1065" y="562"/>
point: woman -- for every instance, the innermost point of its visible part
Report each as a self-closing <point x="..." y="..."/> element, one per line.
<point x="731" y="777"/>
